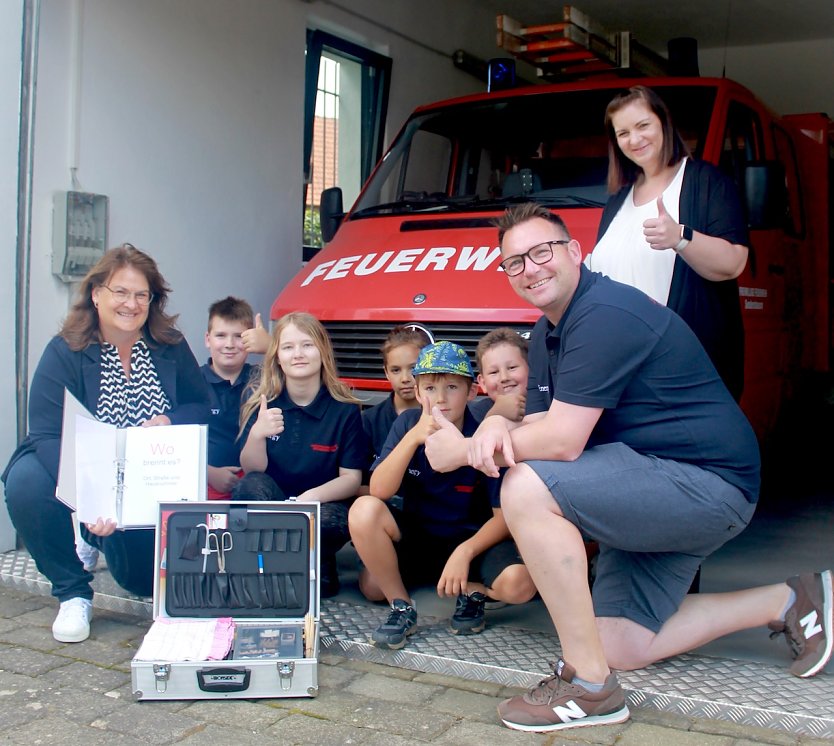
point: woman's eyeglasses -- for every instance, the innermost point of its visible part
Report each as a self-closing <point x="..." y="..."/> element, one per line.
<point x="539" y="254"/>
<point x="142" y="297"/>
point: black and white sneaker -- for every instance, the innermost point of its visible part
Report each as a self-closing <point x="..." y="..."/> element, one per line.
<point x="468" y="618"/>
<point x="401" y="622"/>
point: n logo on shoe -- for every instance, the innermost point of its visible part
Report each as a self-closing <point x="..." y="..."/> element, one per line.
<point x="810" y="627"/>
<point x="569" y="711"/>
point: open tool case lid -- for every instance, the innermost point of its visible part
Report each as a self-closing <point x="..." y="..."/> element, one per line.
<point x="248" y="560"/>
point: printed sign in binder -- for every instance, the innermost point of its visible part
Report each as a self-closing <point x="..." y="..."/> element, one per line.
<point x="124" y="473"/>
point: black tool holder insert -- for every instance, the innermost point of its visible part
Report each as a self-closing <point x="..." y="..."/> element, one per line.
<point x="255" y="564"/>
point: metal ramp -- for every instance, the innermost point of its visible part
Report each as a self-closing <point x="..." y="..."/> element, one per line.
<point x="690" y="685"/>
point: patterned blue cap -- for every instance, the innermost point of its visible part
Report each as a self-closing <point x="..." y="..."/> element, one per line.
<point x="444" y="357"/>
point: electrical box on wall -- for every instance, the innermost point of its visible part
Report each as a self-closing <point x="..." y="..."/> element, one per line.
<point x="79" y="233"/>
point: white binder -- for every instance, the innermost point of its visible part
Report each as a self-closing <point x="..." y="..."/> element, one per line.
<point x="124" y="473"/>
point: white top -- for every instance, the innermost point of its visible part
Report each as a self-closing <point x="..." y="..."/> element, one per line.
<point x="623" y="252"/>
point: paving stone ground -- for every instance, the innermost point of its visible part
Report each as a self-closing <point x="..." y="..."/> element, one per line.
<point x="52" y="693"/>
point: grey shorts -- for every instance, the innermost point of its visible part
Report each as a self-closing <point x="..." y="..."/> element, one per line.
<point x="655" y="521"/>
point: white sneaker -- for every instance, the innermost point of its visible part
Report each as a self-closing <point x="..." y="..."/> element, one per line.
<point x="87" y="553"/>
<point x="73" y="621"/>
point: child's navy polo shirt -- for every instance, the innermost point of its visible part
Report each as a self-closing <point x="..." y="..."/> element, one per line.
<point x="451" y="504"/>
<point x="377" y="422"/>
<point x="480" y="407"/>
<point x="317" y="440"/>
<point x="616" y="349"/>
<point x="224" y="419"/>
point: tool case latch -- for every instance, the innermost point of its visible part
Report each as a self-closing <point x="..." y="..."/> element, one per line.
<point x="285" y="673"/>
<point x="161" y="674"/>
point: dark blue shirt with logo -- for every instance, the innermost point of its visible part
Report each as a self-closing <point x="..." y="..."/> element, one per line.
<point x="617" y="349"/>
<point x="316" y="441"/>
<point x="452" y="504"/>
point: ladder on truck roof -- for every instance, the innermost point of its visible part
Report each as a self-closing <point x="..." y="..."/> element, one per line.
<point x="576" y="47"/>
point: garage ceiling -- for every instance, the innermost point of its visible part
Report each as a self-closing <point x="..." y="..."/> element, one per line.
<point x="713" y="23"/>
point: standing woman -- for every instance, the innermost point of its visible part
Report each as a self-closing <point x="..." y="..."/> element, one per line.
<point x="674" y="228"/>
<point x="302" y="428"/>
<point x="121" y="356"/>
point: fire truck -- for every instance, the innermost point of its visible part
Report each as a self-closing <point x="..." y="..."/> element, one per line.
<point x="419" y="245"/>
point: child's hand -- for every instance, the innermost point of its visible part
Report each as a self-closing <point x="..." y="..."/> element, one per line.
<point x="257" y="338"/>
<point x="270" y="421"/>
<point x="223" y="478"/>
<point x="425" y="426"/>
<point x="453" y="580"/>
<point x="445" y="448"/>
<point x="513" y="405"/>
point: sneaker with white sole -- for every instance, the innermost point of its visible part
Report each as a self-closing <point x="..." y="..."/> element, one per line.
<point x="87" y="553"/>
<point x="556" y="703"/>
<point x="73" y="621"/>
<point x="808" y="623"/>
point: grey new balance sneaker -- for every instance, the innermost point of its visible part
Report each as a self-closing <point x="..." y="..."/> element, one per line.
<point x="401" y="622"/>
<point x="556" y="703"/>
<point x="808" y="623"/>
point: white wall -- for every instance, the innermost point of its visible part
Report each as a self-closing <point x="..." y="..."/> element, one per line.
<point x="11" y="11"/>
<point x="791" y="78"/>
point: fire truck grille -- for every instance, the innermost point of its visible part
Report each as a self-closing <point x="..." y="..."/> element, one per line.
<point x="357" y="344"/>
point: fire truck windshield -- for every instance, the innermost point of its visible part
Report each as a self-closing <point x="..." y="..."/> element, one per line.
<point x="543" y="143"/>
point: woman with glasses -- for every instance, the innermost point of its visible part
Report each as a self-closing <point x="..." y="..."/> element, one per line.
<point x="123" y="358"/>
<point x="673" y="228"/>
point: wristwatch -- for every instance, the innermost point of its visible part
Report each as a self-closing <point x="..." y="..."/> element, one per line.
<point x="686" y="237"/>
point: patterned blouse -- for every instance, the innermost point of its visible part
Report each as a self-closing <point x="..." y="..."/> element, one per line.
<point x="124" y="402"/>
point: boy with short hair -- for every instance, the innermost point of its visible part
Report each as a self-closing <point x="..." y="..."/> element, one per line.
<point x="450" y="525"/>
<point x="226" y="374"/>
<point x="502" y="366"/>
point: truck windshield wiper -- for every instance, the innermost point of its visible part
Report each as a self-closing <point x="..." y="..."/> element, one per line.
<point x="559" y="200"/>
<point x="417" y="202"/>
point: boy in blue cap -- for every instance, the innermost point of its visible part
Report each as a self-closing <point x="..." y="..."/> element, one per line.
<point x="450" y="526"/>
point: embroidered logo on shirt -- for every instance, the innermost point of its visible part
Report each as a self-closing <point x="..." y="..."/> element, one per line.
<point x="414" y="472"/>
<point x="544" y="388"/>
<point x="464" y="488"/>
<point x="215" y="411"/>
<point x="275" y="437"/>
<point x="324" y="448"/>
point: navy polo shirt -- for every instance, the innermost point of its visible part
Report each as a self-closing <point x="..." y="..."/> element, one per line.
<point x="480" y="407"/>
<point x="617" y="349"/>
<point x="317" y="440"/>
<point x="224" y="420"/>
<point x="453" y="504"/>
<point x="377" y="422"/>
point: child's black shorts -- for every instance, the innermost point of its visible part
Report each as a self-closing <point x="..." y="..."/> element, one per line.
<point x="422" y="554"/>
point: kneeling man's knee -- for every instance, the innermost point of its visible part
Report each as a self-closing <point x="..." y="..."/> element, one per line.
<point x="520" y="488"/>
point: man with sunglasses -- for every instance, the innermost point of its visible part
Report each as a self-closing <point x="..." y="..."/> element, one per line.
<point x="632" y="440"/>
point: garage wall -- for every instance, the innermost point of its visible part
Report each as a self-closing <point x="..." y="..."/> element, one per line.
<point x="11" y="11"/>
<point x="791" y="77"/>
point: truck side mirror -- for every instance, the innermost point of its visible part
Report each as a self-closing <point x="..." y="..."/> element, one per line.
<point x="765" y="195"/>
<point x="331" y="211"/>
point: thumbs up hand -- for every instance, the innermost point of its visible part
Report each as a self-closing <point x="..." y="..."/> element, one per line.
<point x="662" y="232"/>
<point x="257" y="338"/>
<point x="446" y="448"/>
<point x="270" y="421"/>
<point x="426" y="425"/>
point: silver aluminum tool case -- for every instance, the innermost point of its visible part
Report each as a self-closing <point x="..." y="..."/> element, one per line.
<point x="270" y="587"/>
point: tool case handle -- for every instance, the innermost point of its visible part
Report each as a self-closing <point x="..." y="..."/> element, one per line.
<point x="223" y="679"/>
